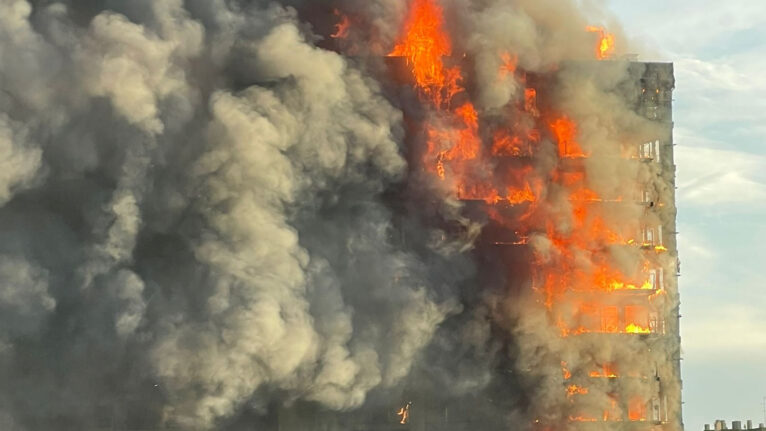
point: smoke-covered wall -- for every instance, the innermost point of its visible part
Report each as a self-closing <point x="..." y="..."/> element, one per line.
<point x="210" y="212"/>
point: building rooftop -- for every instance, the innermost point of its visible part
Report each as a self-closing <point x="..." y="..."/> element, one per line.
<point x="720" y="424"/>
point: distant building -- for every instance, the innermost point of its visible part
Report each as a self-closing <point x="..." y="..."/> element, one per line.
<point x="735" y="425"/>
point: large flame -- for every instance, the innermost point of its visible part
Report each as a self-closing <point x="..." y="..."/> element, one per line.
<point x="453" y="136"/>
<point x="425" y="44"/>
<point x="605" y="46"/>
<point x="575" y="276"/>
<point x="565" y="131"/>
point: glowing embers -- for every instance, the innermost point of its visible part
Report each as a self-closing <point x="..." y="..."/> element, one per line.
<point x="593" y="317"/>
<point x="507" y="144"/>
<point x="459" y="141"/>
<point x="514" y="140"/>
<point x="605" y="46"/>
<point x="573" y="390"/>
<point x="610" y="411"/>
<point x="490" y="195"/>
<point x="463" y="140"/>
<point x="508" y="68"/>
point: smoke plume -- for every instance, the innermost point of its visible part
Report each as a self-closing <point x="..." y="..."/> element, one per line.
<point x="213" y="211"/>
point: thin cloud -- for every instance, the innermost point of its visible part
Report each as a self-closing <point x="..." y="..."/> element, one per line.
<point x="727" y="328"/>
<point x="710" y="176"/>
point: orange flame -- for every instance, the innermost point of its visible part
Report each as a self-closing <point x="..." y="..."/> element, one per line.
<point x="342" y="27"/>
<point x="573" y="390"/>
<point x="425" y="44"/>
<point x="605" y="46"/>
<point x="567" y="374"/>
<point x="632" y="328"/>
<point x="578" y="233"/>
<point x="506" y="145"/>
<point x="582" y="419"/>
<point x="636" y="409"/>
<point x="491" y="196"/>
<point x="565" y="131"/>
<point x="530" y="101"/>
<point x="606" y="371"/>
<point x="404" y="413"/>
<point x="509" y="64"/>
<point x="611" y="412"/>
<point x="467" y="144"/>
<point x="520" y="196"/>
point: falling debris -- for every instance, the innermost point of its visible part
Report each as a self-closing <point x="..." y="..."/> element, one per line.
<point x="404" y="413"/>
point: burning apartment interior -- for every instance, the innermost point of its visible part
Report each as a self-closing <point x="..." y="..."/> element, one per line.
<point x="335" y="215"/>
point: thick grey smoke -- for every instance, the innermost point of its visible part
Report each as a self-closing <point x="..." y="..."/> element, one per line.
<point x="193" y="221"/>
<point x="601" y="98"/>
<point x="207" y="214"/>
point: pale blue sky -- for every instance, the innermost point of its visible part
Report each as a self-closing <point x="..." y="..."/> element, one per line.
<point x="719" y="51"/>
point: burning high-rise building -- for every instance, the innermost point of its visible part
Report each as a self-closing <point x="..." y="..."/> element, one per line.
<point x="565" y="194"/>
<point x="334" y="215"/>
<point x="573" y="184"/>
